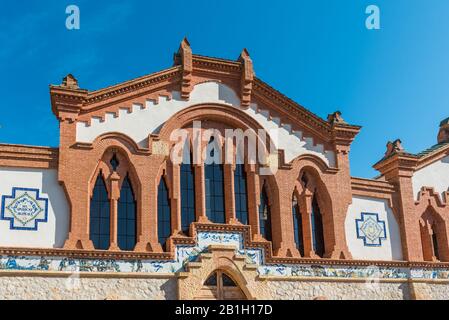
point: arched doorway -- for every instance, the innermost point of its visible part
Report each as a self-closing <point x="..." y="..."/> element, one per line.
<point x="220" y="286"/>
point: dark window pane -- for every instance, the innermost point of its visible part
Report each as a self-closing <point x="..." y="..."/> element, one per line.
<point x="164" y="216"/>
<point x="227" y="281"/>
<point x="297" y="224"/>
<point x="265" y="215"/>
<point x="127" y="215"/>
<point x="317" y="229"/>
<point x="211" y="281"/>
<point x="100" y="207"/>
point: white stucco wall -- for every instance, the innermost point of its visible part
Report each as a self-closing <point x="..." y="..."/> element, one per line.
<point x="390" y="248"/>
<point x="50" y="234"/>
<point x="139" y="123"/>
<point x="435" y="175"/>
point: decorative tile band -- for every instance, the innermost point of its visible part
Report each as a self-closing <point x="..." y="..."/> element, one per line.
<point x="185" y="254"/>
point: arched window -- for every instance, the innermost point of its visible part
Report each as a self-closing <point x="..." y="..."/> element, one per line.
<point x="187" y="196"/>
<point x="163" y="213"/>
<point x="126" y="217"/>
<point x="436" y="250"/>
<point x="297" y="225"/>
<point x="241" y="203"/>
<point x="214" y="186"/>
<point x="430" y="237"/>
<point x="100" y="216"/>
<point x="265" y="215"/>
<point x="317" y="229"/>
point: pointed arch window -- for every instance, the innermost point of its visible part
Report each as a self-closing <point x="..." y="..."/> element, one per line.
<point x="436" y="250"/>
<point x="100" y="215"/>
<point x="265" y="215"/>
<point x="214" y="185"/>
<point x="240" y="192"/>
<point x="317" y="229"/>
<point x="430" y="237"/>
<point x="187" y="195"/>
<point x="163" y="213"/>
<point x="126" y="217"/>
<point x="297" y="225"/>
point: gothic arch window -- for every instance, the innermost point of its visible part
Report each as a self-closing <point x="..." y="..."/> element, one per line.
<point x="240" y="192"/>
<point x="430" y="237"/>
<point x="163" y="213"/>
<point x="214" y="185"/>
<point x="436" y="250"/>
<point x="317" y="228"/>
<point x="100" y="216"/>
<point x="126" y="217"/>
<point x="187" y="196"/>
<point x="265" y="215"/>
<point x="297" y="225"/>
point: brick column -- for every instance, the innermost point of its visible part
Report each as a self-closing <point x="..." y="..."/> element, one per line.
<point x="334" y="218"/>
<point x="305" y="204"/>
<point x="229" y="193"/>
<point x="398" y="168"/>
<point x="67" y="100"/>
<point x="115" y="195"/>
<point x="175" y="202"/>
<point x="253" y="201"/>
<point x="334" y="222"/>
<point x="200" y="194"/>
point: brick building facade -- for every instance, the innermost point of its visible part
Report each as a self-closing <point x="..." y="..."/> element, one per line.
<point x="109" y="213"/>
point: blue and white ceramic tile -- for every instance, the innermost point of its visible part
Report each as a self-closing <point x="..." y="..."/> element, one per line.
<point x="24" y="209"/>
<point x="186" y="254"/>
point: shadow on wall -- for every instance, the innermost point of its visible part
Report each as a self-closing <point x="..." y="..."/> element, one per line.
<point x="58" y="205"/>
<point x="170" y="289"/>
<point x="394" y="233"/>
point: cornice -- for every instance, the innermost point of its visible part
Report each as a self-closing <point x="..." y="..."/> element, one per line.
<point x="294" y="111"/>
<point x="344" y="134"/>
<point x="362" y="186"/>
<point x="145" y="82"/>
<point x="432" y="157"/>
<point x="28" y="156"/>
<point x="399" y="161"/>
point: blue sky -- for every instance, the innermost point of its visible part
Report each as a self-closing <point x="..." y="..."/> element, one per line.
<point x="394" y="81"/>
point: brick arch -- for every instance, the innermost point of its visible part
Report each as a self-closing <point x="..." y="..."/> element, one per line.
<point x="213" y="112"/>
<point x="220" y="258"/>
<point x="318" y="187"/>
<point x="315" y="187"/>
<point x="433" y="223"/>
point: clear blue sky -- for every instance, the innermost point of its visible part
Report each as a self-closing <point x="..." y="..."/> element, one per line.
<point x="394" y="81"/>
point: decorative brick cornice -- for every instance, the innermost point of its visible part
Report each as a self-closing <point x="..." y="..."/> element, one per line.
<point x="146" y="82"/>
<point x="216" y="66"/>
<point x="66" y="102"/>
<point x="397" y="164"/>
<point x="431" y="157"/>
<point x="373" y="188"/>
<point x="28" y="156"/>
<point x="295" y="113"/>
<point x="343" y="134"/>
